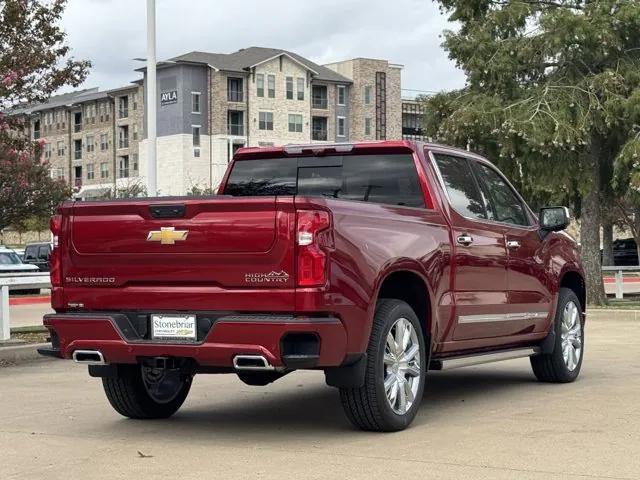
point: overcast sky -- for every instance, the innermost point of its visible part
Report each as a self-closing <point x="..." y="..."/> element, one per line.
<point x="111" y="33"/>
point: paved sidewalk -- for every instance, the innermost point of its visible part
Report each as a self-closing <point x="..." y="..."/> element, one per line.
<point x="489" y="422"/>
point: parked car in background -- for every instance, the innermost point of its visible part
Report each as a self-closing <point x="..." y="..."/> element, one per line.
<point x="625" y="252"/>
<point x="10" y="263"/>
<point x="20" y="253"/>
<point x="38" y="253"/>
<point x="375" y="262"/>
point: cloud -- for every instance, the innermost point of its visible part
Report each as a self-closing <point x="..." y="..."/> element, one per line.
<point x="111" y="33"/>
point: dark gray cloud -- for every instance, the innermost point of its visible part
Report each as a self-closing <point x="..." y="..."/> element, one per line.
<point x="112" y="32"/>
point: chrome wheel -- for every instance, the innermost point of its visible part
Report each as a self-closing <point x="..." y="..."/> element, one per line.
<point x="571" y="335"/>
<point x="401" y="366"/>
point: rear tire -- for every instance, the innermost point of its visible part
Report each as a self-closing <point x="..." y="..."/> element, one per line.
<point x="397" y="360"/>
<point x="133" y="397"/>
<point x="563" y="364"/>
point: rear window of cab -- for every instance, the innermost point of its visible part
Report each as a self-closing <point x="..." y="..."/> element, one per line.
<point x="389" y="179"/>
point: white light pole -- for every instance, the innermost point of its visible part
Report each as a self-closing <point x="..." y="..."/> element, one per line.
<point x="152" y="98"/>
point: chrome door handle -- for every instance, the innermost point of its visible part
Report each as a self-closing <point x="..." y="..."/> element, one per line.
<point x="513" y="244"/>
<point x="465" y="240"/>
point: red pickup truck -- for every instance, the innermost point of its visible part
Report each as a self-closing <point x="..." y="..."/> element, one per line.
<point x="374" y="262"/>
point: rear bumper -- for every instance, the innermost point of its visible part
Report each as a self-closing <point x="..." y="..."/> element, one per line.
<point x="230" y="335"/>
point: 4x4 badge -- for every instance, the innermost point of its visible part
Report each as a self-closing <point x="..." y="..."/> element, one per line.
<point x="167" y="235"/>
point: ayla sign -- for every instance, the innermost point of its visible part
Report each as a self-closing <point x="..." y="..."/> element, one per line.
<point x="168" y="98"/>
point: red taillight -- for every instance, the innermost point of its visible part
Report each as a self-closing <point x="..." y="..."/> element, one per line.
<point x="312" y="259"/>
<point x="54" y="260"/>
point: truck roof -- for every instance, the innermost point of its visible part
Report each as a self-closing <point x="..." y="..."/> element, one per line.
<point x="247" y="153"/>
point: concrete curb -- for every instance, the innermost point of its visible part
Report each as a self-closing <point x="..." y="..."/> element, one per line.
<point x="613" y="314"/>
<point x="21" y="353"/>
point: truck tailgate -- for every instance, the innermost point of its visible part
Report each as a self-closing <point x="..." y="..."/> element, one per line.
<point x="221" y="242"/>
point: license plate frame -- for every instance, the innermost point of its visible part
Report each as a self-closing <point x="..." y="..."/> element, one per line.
<point x="167" y="327"/>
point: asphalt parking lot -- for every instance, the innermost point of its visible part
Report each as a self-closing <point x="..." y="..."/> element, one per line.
<point x="488" y="422"/>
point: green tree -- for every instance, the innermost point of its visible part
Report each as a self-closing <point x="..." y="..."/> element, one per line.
<point x="551" y="96"/>
<point x="34" y="63"/>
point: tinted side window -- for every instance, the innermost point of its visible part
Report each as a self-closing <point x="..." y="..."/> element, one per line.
<point x="503" y="200"/>
<point x="30" y="253"/>
<point x="461" y="187"/>
<point x="43" y="253"/>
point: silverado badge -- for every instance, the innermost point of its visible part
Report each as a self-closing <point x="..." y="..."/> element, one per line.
<point x="167" y="235"/>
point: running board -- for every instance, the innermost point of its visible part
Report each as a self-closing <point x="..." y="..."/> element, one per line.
<point x="479" y="359"/>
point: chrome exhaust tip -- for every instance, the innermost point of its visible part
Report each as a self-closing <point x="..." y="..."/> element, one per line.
<point x="88" y="357"/>
<point x="252" y="362"/>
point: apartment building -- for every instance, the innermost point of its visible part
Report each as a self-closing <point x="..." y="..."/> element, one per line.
<point x="208" y="106"/>
<point x="91" y="138"/>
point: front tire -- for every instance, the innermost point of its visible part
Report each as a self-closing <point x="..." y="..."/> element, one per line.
<point x="138" y="393"/>
<point x="563" y="364"/>
<point x="397" y="360"/>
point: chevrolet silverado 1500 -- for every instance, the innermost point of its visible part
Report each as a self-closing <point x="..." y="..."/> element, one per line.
<point x="374" y="262"/>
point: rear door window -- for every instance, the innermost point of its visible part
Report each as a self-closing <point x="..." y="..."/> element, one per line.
<point x="461" y="186"/>
<point x="389" y="179"/>
<point x="43" y="253"/>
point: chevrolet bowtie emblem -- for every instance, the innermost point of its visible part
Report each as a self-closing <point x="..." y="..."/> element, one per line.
<point x="167" y="235"/>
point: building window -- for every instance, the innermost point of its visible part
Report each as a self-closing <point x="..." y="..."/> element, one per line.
<point x="319" y="96"/>
<point x="135" y="131"/>
<point x="295" y="123"/>
<point x="235" y="122"/>
<point x="36" y="130"/>
<point x="271" y="86"/>
<point x="90" y="145"/>
<point x="265" y="120"/>
<point x="342" y="95"/>
<point x="91" y="174"/>
<point x="77" y="176"/>
<point x="367" y="94"/>
<point x="104" y="142"/>
<point x="342" y="121"/>
<point x="123" y="167"/>
<point x="319" y="128"/>
<point x="289" y="88"/>
<point x="134" y="100"/>
<point x="60" y="148"/>
<point x="135" y="162"/>
<point x="367" y="126"/>
<point x="195" y="133"/>
<point x="195" y="102"/>
<point x="77" y="149"/>
<point x="260" y="84"/>
<point x="123" y="107"/>
<point x="77" y="121"/>
<point x="300" y="88"/>
<point x="47" y="150"/>
<point x="123" y="136"/>
<point x="104" y="170"/>
<point x="234" y="89"/>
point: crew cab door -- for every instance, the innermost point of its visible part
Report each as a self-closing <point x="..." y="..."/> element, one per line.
<point x="529" y="297"/>
<point x="479" y="256"/>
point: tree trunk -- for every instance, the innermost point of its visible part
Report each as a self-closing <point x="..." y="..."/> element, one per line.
<point x="590" y="227"/>
<point x="607" y="242"/>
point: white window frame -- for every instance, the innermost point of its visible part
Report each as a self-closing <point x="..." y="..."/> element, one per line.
<point x="265" y="121"/>
<point x="197" y="95"/>
<point x="289" y="123"/>
<point x="343" y="89"/>
<point x="300" y="91"/>
<point x="271" y="75"/>
<point x="344" y="126"/>
<point x="193" y="136"/>
<point x="367" y="94"/>
<point x="286" y="87"/>
<point x="367" y="125"/>
<point x="260" y="78"/>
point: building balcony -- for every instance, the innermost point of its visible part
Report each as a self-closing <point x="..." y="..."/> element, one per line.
<point x="77" y="182"/>
<point x="235" y="129"/>
<point x="319" y="102"/>
<point x="36" y="134"/>
<point x="77" y="127"/>
<point x="123" y="143"/>
<point x="123" y="173"/>
<point x="77" y="155"/>
<point x="319" y="134"/>
<point x="123" y="113"/>
<point x="235" y="96"/>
